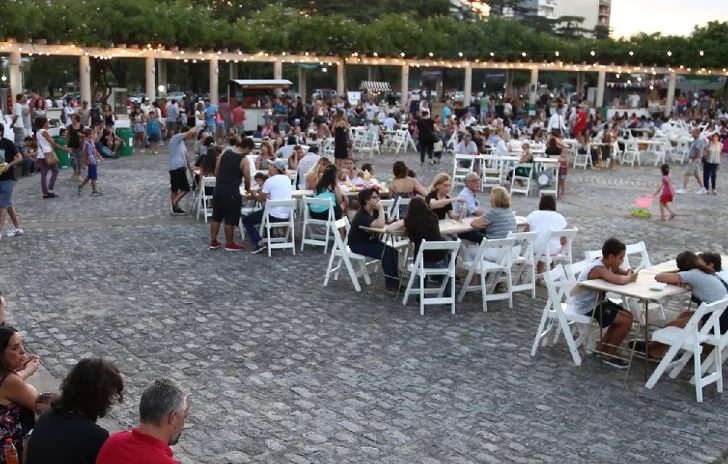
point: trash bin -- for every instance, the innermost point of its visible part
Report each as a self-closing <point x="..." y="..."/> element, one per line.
<point x="64" y="159"/>
<point x="531" y="110"/>
<point x="127" y="135"/>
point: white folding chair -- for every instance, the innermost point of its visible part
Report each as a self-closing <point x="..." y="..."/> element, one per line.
<point x="346" y="257"/>
<point x="690" y="339"/>
<point x="523" y="273"/>
<point x="308" y="221"/>
<point x="492" y="172"/>
<point x="495" y="270"/>
<point x="563" y="256"/>
<point x="400" y="208"/>
<point x="582" y="160"/>
<point x="547" y="179"/>
<point x="389" y="206"/>
<point x="418" y="270"/>
<point x="370" y="143"/>
<point x="462" y="166"/>
<point x="203" y="205"/>
<point x="681" y="151"/>
<point x="452" y="142"/>
<point x="631" y="153"/>
<point x="526" y="188"/>
<point x="288" y="240"/>
<point x="558" y="314"/>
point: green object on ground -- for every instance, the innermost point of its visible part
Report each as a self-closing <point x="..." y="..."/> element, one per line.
<point x="64" y="159"/>
<point x="127" y="135"/>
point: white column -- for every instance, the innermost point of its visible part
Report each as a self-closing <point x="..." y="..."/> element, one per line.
<point x="85" y="73"/>
<point x="509" y="83"/>
<point x="150" y="78"/>
<point x="16" y="77"/>
<point x="670" y="94"/>
<point x="404" y="89"/>
<point x="302" y="83"/>
<point x="233" y="71"/>
<point x="580" y="80"/>
<point x="340" y="84"/>
<point x="278" y="74"/>
<point x="214" y="84"/>
<point x="601" y="84"/>
<point x="370" y="73"/>
<point x="533" y="90"/>
<point x="468" y="91"/>
<point x="162" y="74"/>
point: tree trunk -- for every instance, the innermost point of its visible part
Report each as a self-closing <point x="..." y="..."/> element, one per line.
<point x="725" y="95"/>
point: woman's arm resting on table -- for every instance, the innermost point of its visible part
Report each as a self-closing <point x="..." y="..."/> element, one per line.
<point x="668" y="278"/>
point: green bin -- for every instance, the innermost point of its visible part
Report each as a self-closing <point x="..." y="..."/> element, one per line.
<point x="127" y="135"/>
<point x="531" y="110"/>
<point x="64" y="159"/>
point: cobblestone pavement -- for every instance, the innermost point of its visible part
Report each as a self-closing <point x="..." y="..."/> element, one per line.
<point x="284" y="370"/>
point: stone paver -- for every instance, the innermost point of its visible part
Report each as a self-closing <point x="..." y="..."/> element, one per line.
<point x="282" y="369"/>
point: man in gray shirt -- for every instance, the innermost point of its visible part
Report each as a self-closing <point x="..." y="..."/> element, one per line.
<point x="179" y="164"/>
<point x="695" y="159"/>
<point x="172" y="116"/>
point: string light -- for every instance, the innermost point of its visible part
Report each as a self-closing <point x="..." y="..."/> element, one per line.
<point x="669" y="53"/>
<point x="702" y="53"/>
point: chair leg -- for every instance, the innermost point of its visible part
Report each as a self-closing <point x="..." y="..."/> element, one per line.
<point x="680" y="364"/>
<point x="352" y="274"/>
<point x="539" y="332"/>
<point x="365" y="272"/>
<point x="410" y="283"/>
<point x="664" y="364"/>
<point x="698" y="377"/>
<point x="422" y="294"/>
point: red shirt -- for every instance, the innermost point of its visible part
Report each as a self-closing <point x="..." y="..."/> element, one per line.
<point x="580" y="123"/>
<point x="135" y="447"/>
<point x="238" y="116"/>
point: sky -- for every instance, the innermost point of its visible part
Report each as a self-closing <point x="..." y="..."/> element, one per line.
<point x="676" y="17"/>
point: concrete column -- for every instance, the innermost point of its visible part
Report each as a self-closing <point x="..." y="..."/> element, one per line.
<point x="509" y="83"/>
<point x="85" y="73"/>
<point x="670" y="94"/>
<point x="162" y="74"/>
<point x="439" y="91"/>
<point x="371" y="72"/>
<point x="340" y="81"/>
<point x="233" y="70"/>
<point x="278" y="74"/>
<point x="16" y="77"/>
<point x="533" y="90"/>
<point x="468" y="89"/>
<point x="150" y="78"/>
<point x="302" y="83"/>
<point x="580" y="81"/>
<point x="214" y="83"/>
<point x="404" y="89"/>
<point x="601" y="84"/>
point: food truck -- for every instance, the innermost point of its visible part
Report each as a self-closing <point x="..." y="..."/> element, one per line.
<point x="254" y="94"/>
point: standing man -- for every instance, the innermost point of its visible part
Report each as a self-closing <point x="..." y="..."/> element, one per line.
<point x="145" y="107"/>
<point x="179" y="164"/>
<point x="231" y="169"/>
<point x="225" y="114"/>
<point x="163" y="410"/>
<point x="172" y="117"/>
<point x="210" y="117"/>
<point x="581" y="120"/>
<point x="698" y="149"/>
<point x="85" y="114"/>
<point x="239" y="119"/>
<point x="11" y="157"/>
<point x="17" y="124"/>
<point x="556" y="123"/>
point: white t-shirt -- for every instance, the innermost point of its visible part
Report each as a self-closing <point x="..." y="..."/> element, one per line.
<point x="370" y="109"/>
<point x="634" y="100"/>
<point x="544" y="222"/>
<point x="389" y="123"/>
<point x="469" y="149"/>
<point x="43" y="144"/>
<point x="279" y="187"/>
<point x="18" y="111"/>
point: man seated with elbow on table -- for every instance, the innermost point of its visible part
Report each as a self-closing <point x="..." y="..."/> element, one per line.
<point x="472" y="205"/>
<point x="276" y="187"/>
<point x="606" y="313"/>
<point x="362" y="242"/>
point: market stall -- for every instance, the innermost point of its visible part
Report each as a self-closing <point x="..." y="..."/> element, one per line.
<point x="254" y="94"/>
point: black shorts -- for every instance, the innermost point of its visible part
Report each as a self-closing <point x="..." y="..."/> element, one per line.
<point x="226" y="208"/>
<point x="324" y="216"/>
<point x="608" y="313"/>
<point x="178" y="180"/>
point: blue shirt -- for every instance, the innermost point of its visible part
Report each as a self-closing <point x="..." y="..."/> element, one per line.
<point x="696" y="149"/>
<point x="211" y="115"/>
<point x="471" y="202"/>
<point x="446" y="112"/>
<point x="280" y="109"/>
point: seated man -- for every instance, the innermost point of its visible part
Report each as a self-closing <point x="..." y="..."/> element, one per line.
<point x="29" y="150"/>
<point x="276" y="187"/>
<point x="471" y="205"/>
<point x="700" y="274"/>
<point x="606" y="313"/>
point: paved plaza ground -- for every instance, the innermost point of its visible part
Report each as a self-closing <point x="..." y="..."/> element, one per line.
<point x="282" y="369"/>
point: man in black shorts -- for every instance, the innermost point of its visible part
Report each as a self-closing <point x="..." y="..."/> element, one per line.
<point x="179" y="164"/>
<point x="231" y="170"/>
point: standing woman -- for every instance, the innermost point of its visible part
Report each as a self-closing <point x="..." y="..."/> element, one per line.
<point x="74" y="144"/>
<point x="48" y="159"/>
<point x="199" y="115"/>
<point x="426" y="129"/>
<point x="712" y="162"/>
<point x="139" y="128"/>
<point x="341" y="139"/>
<point x="39" y="111"/>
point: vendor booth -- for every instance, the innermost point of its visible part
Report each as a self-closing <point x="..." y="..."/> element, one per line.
<point x="254" y="94"/>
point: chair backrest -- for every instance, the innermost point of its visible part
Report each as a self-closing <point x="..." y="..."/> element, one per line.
<point x="633" y="249"/>
<point x="504" y="247"/>
<point x="388" y="206"/>
<point x="569" y="234"/>
<point x="292" y="203"/>
<point x="448" y="245"/>
<point x="341" y="243"/>
<point x="207" y="182"/>
<point x="527" y="241"/>
<point x="557" y="284"/>
<point x="711" y="327"/>
<point x="401" y="208"/>
<point x="308" y="201"/>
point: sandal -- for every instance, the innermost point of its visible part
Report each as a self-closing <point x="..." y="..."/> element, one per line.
<point x="672" y="216"/>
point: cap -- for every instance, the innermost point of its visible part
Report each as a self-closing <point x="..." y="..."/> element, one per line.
<point x="280" y="164"/>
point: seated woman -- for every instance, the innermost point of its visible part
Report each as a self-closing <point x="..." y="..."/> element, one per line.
<point x="68" y="432"/>
<point x="498" y="222"/>
<point x="544" y="221"/>
<point x="17" y="397"/>
<point x="606" y="313"/>
<point x="553" y="149"/>
<point x="371" y="214"/>
<point x="402" y="185"/>
<point x="348" y="173"/>
<point x="328" y="188"/>
<point x="421" y="223"/>
<point x="314" y="174"/>
<point x="526" y="158"/>
<point x="267" y="154"/>
<point x="585" y="143"/>
<point x="705" y="286"/>
<point x="439" y="201"/>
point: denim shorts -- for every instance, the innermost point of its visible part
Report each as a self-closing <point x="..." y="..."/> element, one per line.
<point x="6" y="193"/>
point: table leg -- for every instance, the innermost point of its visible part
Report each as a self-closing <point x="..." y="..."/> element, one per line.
<point x="588" y="333"/>
<point x="646" y="312"/>
<point x="631" y="355"/>
<point x="381" y="259"/>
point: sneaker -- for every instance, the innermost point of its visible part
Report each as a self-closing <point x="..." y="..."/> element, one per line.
<point x="97" y="193"/>
<point x="15" y="232"/>
<point x="662" y="218"/>
<point x="672" y="216"/>
<point x="232" y="247"/>
<point x="179" y="212"/>
<point x="214" y="245"/>
<point x="702" y="191"/>
<point x="681" y="191"/>
<point x="258" y="249"/>
<point x="80" y="189"/>
<point x="615" y="362"/>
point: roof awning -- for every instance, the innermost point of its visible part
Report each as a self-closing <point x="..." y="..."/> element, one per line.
<point x="375" y="86"/>
<point x="262" y="83"/>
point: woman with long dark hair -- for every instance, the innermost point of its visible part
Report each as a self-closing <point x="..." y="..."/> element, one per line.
<point x="327" y="187"/>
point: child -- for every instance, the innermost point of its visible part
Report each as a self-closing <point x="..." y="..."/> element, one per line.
<point x="667" y="192"/>
<point x="44" y="401"/>
<point x="563" y="171"/>
<point x="91" y="159"/>
<point x="260" y="179"/>
<point x="154" y="132"/>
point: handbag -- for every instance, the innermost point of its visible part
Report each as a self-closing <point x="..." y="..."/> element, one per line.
<point x="438" y="147"/>
<point x="51" y="159"/>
